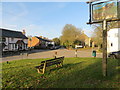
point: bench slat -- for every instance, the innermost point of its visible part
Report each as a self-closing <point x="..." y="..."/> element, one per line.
<point x="52" y="63"/>
<point x="48" y="63"/>
<point x="39" y="67"/>
<point x="52" y="59"/>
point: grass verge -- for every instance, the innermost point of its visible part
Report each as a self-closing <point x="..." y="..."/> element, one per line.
<point x="75" y="73"/>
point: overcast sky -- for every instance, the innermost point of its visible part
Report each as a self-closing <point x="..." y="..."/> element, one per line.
<point x="44" y="18"/>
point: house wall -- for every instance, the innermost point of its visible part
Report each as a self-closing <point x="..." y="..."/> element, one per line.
<point x="113" y="40"/>
<point x="52" y="43"/>
<point x="88" y="42"/>
<point x="47" y="43"/>
<point x="10" y="44"/>
<point x="43" y="44"/>
<point x="34" y="42"/>
<point x="37" y="42"/>
<point x="119" y="39"/>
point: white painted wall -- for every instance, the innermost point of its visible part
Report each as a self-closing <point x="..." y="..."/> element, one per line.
<point x="14" y="40"/>
<point x="119" y="39"/>
<point x="113" y="40"/>
<point x="25" y="41"/>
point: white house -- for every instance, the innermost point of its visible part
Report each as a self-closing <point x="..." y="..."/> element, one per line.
<point x="13" y="40"/>
<point x="113" y="40"/>
<point x="45" y="42"/>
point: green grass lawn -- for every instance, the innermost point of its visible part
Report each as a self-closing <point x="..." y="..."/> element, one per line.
<point x="75" y="73"/>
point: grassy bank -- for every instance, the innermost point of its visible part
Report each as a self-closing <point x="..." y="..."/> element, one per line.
<point x="76" y="73"/>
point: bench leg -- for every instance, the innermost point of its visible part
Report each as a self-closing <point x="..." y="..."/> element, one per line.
<point x="57" y="65"/>
<point x="44" y="68"/>
<point x="61" y="63"/>
<point x="38" y="70"/>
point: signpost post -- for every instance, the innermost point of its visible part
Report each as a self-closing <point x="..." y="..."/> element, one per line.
<point x="104" y="61"/>
<point x="104" y="12"/>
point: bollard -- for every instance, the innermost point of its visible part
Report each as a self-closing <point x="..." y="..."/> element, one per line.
<point x="55" y="54"/>
<point x="76" y="52"/>
<point x="7" y="62"/>
<point x="27" y="54"/>
<point x="94" y="53"/>
<point x="21" y="54"/>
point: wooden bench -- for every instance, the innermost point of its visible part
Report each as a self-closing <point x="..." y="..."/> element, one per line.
<point x="56" y="61"/>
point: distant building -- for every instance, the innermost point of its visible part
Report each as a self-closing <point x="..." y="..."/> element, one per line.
<point x="87" y="40"/>
<point x="12" y="40"/>
<point x="39" y="42"/>
<point x="113" y="40"/>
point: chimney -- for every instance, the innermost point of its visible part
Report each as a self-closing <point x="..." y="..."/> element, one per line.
<point x="24" y="32"/>
<point x="41" y="37"/>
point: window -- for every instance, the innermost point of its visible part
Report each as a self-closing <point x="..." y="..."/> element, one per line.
<point x="116" y="34"/>
<point x="15" y="45"/>
<point x="26" y="46"/>
<point x="2" y="39"/>
<point x="12" y="39"/>
<point x="111" y="44"/>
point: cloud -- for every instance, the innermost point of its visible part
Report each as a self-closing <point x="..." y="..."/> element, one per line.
<point x="15" y="13"/>
<point x="9" y="26"/>
<point x="21" y="14"/>
<point x="37" y="30"/>
<point x="88" y="32"/>
<point x="14" y="18"/>
<point x="0" y="14"/>
<point x="34" y="30"/>
<point x="45" y="30"/>
<point x="44" y="0"/>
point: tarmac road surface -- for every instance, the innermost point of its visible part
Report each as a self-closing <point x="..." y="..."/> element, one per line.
<point x="51" y="54"/>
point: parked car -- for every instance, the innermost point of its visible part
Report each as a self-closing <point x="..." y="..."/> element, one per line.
<point x="52" y="48"/>
<point x="114" y="55"/>
<point x="55" y="47"/>
<point x="78" y="46"/>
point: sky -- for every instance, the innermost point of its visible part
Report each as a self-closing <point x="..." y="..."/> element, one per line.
<point x="44" y="18"/>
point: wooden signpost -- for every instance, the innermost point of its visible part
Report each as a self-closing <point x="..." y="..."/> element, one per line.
<point x="104" y="12"/>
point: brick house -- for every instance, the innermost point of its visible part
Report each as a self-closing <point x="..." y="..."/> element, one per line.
<point x="38" y="42"/>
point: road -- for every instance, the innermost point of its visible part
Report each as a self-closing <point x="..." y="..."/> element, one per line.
<point x="51" y="54"/>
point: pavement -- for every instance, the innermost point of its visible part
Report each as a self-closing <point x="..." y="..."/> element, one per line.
<point x="51" y="53"/>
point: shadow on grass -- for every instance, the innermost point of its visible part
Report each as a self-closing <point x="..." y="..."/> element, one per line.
<point x="63" y="67"/>
<point x="88" y="77"/>
<point x="19" y="66"/>
<point x="78" y="74"/>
